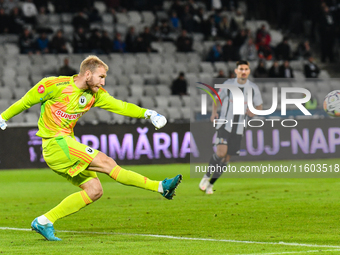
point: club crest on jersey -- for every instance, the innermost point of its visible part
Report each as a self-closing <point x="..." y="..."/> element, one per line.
<point x="89" y="150"/>
<point x="41" y="89"/>
<point x="82" y="100"/>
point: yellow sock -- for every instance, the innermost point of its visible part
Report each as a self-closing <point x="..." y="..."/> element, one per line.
<point x="131" y="178"/>
<point x="71" y="204"/>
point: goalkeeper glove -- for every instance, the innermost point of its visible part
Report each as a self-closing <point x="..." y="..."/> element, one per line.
<point x="3" y="124"/>
<point x="157" y="120"/>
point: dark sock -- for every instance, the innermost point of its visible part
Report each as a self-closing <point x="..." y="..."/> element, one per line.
<point x="214" y="161"/>
<point x="218" y="173"/>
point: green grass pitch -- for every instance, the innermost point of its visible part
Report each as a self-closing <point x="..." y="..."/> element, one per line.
<point x="243" y="216"/>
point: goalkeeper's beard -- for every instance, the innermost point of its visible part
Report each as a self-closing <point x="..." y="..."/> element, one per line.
<point x="91" y="86"/>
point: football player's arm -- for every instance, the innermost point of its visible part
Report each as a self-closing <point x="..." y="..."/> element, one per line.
<point x="109" y="103"/>
<point x="214" y="114"/>
<point x="35" y="95"/>
<point x="257" y="102"/>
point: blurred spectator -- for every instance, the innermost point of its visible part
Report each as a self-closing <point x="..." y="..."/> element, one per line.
<point x="327" y="34"/>
<point x="147" y="39"/>
<point x="42" y="44"/>
<point x="119" y="44"/>
<point x="66" y="70"/>
<point x="80" y="42"/>
<point x="174" y="21"/>
<point x="130" y="40"/>
<point x="221" y="74"/>
<point x="199" y="20"/>
<point x="165" y="31"/>
<point x="274" y="70"/>
<point x="81" y="20"/>
<point x="260" y="70"/>
<point x="210" y="28"/>
<point x="286" y="71"/>
<point x="179" y="86"/>
<point x="95" y="42"/>
<point x="42" y="21"/>
<point x="94" y="16"/>
<point x="240" y="20"/>
<point x="311" y="70"/>
<point x="264" y="51"/>
<point x="303" y="50"/>
<point x="192" y="7"/>
<point x="261" y="34"/>
<point x="26" y="42"/>
<point x="4" y="21"/>
<point x="248" y="51"/>
<point x="9" y="5"/>
<point x="187" y="20"/>
<point x="106" y="42"/>
<point x="215" y="54"/>
<point x="240" y="39"/>
<point x="29" y="11"/>
<point x="229" y="52"/>
<point x="177" y="8"/>
<point x="58" y="43"/>
<point x="16" y="21"/>
<point x="232" y="75"/>
<point x="225" y="29"/>
<point x="184" y="42"/>
<point x="283" y="50"/>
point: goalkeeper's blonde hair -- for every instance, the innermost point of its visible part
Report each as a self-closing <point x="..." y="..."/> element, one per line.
<point x="91" y="63"/>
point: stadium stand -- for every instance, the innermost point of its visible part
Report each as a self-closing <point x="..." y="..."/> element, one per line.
<point x="144" y="75"/>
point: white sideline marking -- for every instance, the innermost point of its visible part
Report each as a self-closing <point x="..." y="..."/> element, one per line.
<point x="184" y="238"/>
<point x="290" y="252"/>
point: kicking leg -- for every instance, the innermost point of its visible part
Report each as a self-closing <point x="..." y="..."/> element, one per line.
<point x="104" y="164"/>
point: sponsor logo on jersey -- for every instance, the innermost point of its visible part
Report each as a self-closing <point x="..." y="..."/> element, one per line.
<point x="41" y="89"/>
<point x="65" y="115"/>
<point x="82" y="100"/>
<point x="62" y="83"/>
<point x="89" y="150"/>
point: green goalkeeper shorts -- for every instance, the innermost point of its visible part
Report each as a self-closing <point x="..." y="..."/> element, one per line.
<point x="69" y="158"/>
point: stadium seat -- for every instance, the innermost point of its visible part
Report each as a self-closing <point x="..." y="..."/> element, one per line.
<point x="206" y="78"/>
<point x="6" y="93"/>
<point x="207" y="67"/>
<point x="169" y="47"/>
<point x="164" y="79"/>
<point x="130" y="59"/>
<point x="121" y="92"/>
<point x="168" y="58"/>
<point x="11" y="62"/>
<point x="122" y="18"/>
<point x="162" y="101"/>
<point x="36" y="109"/>
<point x="19" y="93"/>
<point x="24" y="82"/>
<point x="17" y="119"/>
<point x="100" y="6"/>
<point x="107" y="18"/>
<point x="180" y="67"/>
<point x="175" y="101"/>
<point x="128" y="69"/>
<point x="324" y="74"/>
<point x="9" y="72"/>
<point x="174" y="114"/>
<point x="37" y="60"/>
<point x="31" y="118"/>
<point x="134" y="17"/>
<point x="89" y="118"/>
<point x="103" y="116"/>
<point x="148" y="17"/>
<point x="147" y="102"/>
<point x="116" y="118"/>
<point x="142" y="58"/>
<point x="187" y="101"/>
<point x="137" y="79"/>
<point x="155" y="69"/>
<point x="168" y="68"/>
<point x="193" y="67"/>
<point x="35" y="79"/>
<point x="66" y="18"/>
<point x="221" y="66"/>
<point x="150" y="91"/>
<point x="137" y="91"/>
<point x="53" y="19"/>
<point x="142" y="68"/>
<point x="36" y="70"/>
<point x="162" y="15"/>
<point x="150" y="79"/>
<point x="181" y="57"/>
<point x="133" y="100"/>
<point x="4" y="104"/>
<point x="163" y="90"/>
<point x="187" y="114"/>
<point x="155" y="59"/>
<point x="11" y="49"/>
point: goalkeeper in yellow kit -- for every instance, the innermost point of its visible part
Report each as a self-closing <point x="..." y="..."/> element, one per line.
<point x="63" y="101"/>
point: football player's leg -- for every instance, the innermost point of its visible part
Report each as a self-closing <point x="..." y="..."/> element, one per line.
<point x="222" y="151"/>
<point x="104" y="164"/>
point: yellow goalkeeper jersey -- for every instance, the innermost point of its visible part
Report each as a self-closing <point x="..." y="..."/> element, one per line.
<point x="63" y="103"/>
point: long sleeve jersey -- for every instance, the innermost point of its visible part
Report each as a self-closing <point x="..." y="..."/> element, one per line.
<point x="63" y="103"/>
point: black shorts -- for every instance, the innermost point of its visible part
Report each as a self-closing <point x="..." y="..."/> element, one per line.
<point x="231" y="139"/>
